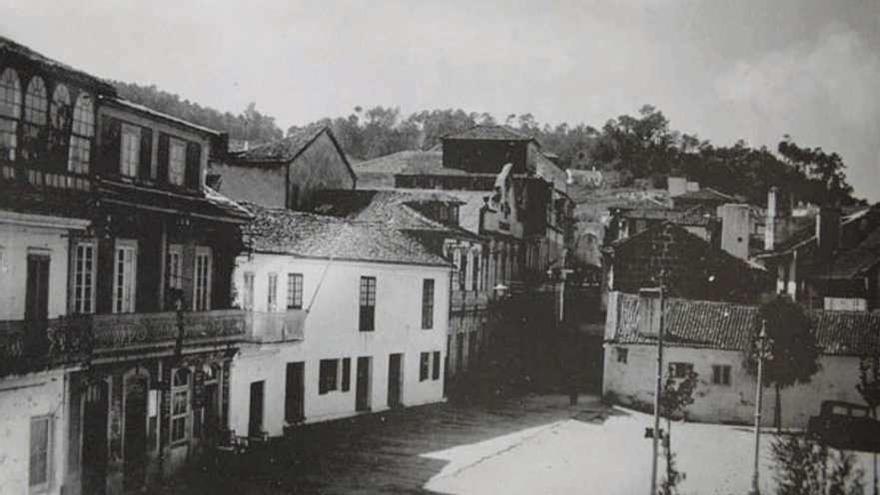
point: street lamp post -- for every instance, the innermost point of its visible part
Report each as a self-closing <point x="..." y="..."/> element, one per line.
<point x="657" y="391"/>
<point x="762" y="340"/>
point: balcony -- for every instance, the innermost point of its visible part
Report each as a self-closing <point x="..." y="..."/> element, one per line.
<point x="275" y="327"/>
<point x="41" y="179"/>
<point x="76" y="339"/>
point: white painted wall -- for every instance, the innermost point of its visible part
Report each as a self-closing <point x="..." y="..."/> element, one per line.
<point x="633" y="383"/>
<point x="22" y="398"/>
<point x="331" y="332"/>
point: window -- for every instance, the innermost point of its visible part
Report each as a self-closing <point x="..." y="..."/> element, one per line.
<point x="10" y="112"/>
<point x="180" y="405"/>
<point x="680" y="370"/>
<point x="82" y="132"/>
<point x="60" y="114"/>
<point x="202" y="285"/>
<point x="248" y="291"/>
<point x="327" y="379"/>
<point x="36" y="103"/>
<point x="272" y="292"/>
<point x="462" y="272"/>
<point x="173" y="266"/>
<point x="294" y="291"/>
<point x="424" y="365"/>
<point x="131" y="150"/>
<point x="40" y="450"/>
<point x="721" y="374"/>
<point x="475" y="279"/>
<point x="367" y="315"/>
<point x="428" y="303"/>
<point x="346" y="374"/>
<point x="176" y="161"/>
<point x="622" y="354"/>
<point x="125" y="262"/>
<point x="84" y="278"/>
<point x="435" y="372"/>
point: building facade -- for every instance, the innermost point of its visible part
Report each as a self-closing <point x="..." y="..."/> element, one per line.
<point x="352" y="320"/>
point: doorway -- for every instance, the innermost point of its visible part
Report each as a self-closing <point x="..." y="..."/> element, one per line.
<point x="255" y="421"/>
<point x="135" y="439"/>
<point x="395" y="380"/>
<point x="294" y="394"/>
<point x="362" y="387"/>
<point x="94" y="438"/>
<point x="36" y="301"/>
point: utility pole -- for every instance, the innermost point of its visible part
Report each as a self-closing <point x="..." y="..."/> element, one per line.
<point x="657" y="390"/>
<point x="762" y="339"/>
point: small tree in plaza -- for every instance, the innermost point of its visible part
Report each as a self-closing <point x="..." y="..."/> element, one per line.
<point x="678" y="393"/>
<point x="792" y="353"/>
<point x="806" y="467"/>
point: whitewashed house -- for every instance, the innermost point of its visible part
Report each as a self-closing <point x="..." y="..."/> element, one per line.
<point x="709" y="338"/>
<point x="347" y="317"/>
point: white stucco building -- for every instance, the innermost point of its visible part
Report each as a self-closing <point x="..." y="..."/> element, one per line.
<point x="348" y="317"/>
<point x="709" y="338"/>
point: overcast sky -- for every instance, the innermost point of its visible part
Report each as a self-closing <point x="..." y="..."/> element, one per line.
<point x="723" y="70"/>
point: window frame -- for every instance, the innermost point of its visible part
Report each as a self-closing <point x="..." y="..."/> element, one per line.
<point x="328" y="376"/>
<point x="129" y="140"/>
<point x="367" y="304"/>
<point x="47" y="451"/>
<point x="622" y="354"/>
<point x="345" y="378"/>
<point x="176" y="144"/>
<point x="435" y="365"/>
<point x="295" y="290"/>
<point x="84" y="273"/>
<point x="424" y="366"/>
<point x="247" y="299"/>
<point x="722" y="375"/>
<point x="428" y="295"/>
<point x="11" y="97"/>
<point x="272" y="292"/>
<point x="202" y="281"/>
<point x="174" y="266"/>
<point x="82" y="133"/>
<point x="119" y="306"/>
<point x="186" y="415"/>
<point x="680" y="369"/>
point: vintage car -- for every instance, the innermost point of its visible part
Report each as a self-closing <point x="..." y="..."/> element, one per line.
<point x="847" y="426"/>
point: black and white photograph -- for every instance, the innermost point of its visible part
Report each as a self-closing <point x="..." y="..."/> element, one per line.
<point x="456" y="248"/>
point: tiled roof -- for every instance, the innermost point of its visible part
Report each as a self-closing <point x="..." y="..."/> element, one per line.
<point x="155" y="113"/>
<point x="281" y="231"/>
<point x="282" y="150"/>
<point x="720" y="325"/>
<point x="51" y="65"/>
<point x="679" y="217"/>
<point x="490" y="133"/>
<point x="210" y="204"/>
<point x="410" y="161"/>
<point x="395" y="208"/>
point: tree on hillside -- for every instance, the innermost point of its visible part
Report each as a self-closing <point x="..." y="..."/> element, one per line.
<point x="792" y="350"/>
<point x="826" y="182"/>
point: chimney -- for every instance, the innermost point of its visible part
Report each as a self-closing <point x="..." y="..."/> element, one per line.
<point x="772" y="215"/>
<point x="827" y="231"/>
<point x="676" y="186"/>
<point x="735" y="219"/>
<point x="649" y="312"/>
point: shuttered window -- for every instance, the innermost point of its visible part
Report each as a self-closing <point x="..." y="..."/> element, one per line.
<point x="428" y="303"/>
<point x="435" y="372"/>
<point x="40" y="449"/>
<point x="424" y="366"/>
<point x="327" y="375"/>
<point x="202" y="281"/>
<point x="176" y="161"/>
<point x="130" y="151"/>
<point x="125" y="261"/>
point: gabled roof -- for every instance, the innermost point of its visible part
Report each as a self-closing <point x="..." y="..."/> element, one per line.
<point x="490" y="133"/>
<point x="395" y="208"/>
<point x="727" y="326"/>
<point x="7" y="47"/>
<point x="130" y="105"/>
<point x="282" y="231"/>
<point x="410" y="160"/>
<point x="680" y="217"/>
<point x="281" y="150"/>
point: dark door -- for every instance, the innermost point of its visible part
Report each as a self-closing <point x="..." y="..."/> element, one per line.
<point x="94" y="439"/>
<point x="362" y="387"/>
<point x="36" y="302"/>
<point x="135" y="440"/>
<point x="294" y="392"/>
<point x="394" y="380"/>
<point x="255" y="421"/>
<point x="212" y="413"/>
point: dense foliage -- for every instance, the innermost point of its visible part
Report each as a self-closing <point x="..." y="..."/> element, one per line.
<point x="805" y="467"/>
<point x="640" y="146"/>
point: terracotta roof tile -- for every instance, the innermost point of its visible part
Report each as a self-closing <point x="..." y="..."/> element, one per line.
<point x="282" y="150"/>
<point x="490" y="133"/>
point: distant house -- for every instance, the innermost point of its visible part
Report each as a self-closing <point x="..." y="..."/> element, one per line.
<point x="285" y="173"/>
<point x="378" y="173"/>
<point x="688" y="265"/>
<point x="348" y="316"/>
<point x="710" y="338"/>
<point x="707" y="199"/>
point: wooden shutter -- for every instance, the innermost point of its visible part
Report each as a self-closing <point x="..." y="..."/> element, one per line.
<point x="145" y="160"/>
<point x="193" y="165"/>
<point x="109" y="154"/>
<point x="162" y="168"/>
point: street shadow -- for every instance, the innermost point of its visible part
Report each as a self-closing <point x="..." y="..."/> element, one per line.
<point x="385" y="452"/>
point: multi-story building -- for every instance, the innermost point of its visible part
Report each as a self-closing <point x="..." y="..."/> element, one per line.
<point x="117" y="327"/>
<point x="348" y="317"/>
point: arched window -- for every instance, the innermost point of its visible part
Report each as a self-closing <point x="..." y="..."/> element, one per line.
<point x="59" y="120"/>
<point x="34" y="136"/>
<point x="82" y="132"/>
<point x="10" y="112"/>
